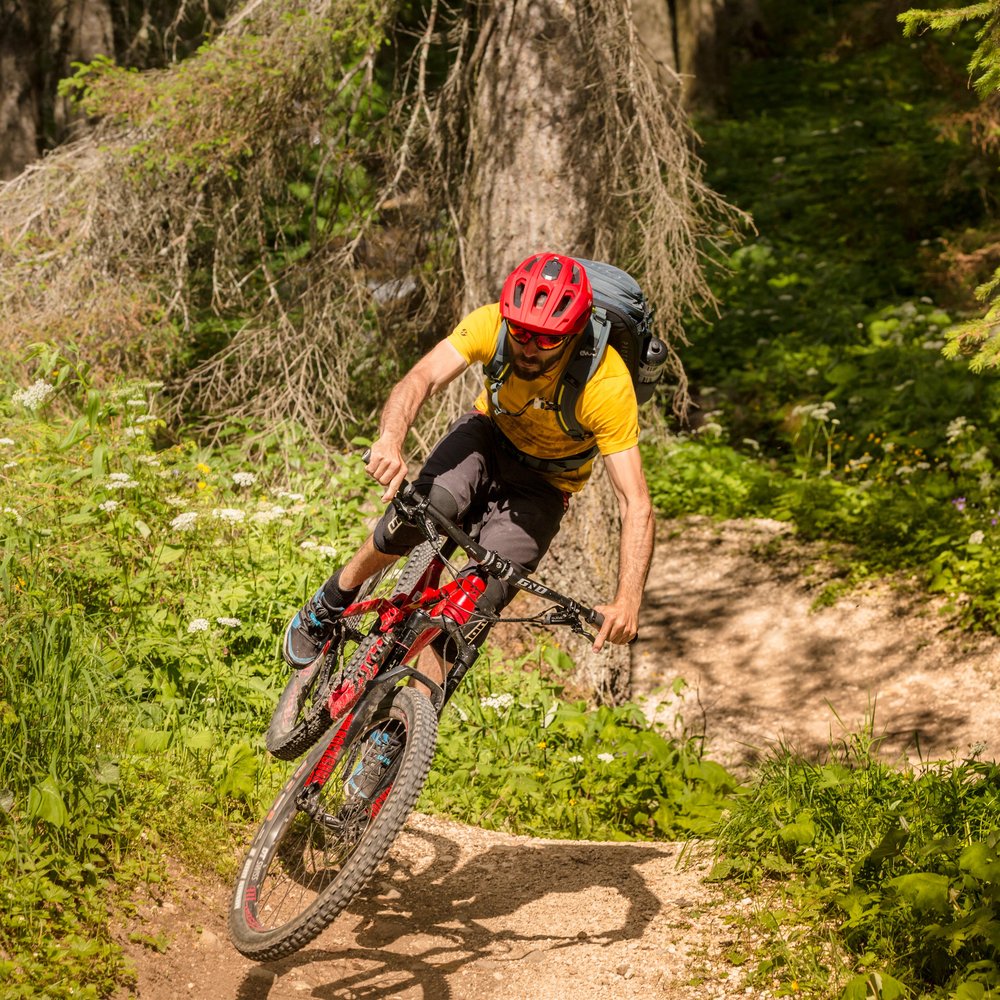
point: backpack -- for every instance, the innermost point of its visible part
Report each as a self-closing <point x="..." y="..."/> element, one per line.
<point x="621" y="318"/>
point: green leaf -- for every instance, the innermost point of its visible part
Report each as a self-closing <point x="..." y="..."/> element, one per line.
<point x="142" y="528"/>
<point x="45" y="802"/>
<point x="924" y="891"/>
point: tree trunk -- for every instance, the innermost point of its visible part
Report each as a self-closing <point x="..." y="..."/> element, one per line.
<point x="532" y="190"/>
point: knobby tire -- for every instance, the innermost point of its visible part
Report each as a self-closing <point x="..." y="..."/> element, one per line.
<point x="300" y="871"/>
<point x="300" y="717"/>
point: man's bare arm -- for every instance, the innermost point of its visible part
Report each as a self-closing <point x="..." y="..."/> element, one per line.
<point x="621" y="617"/>
<point x="430" y="374"/>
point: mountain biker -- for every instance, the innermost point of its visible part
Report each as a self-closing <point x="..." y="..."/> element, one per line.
<point x="507" y="469"/>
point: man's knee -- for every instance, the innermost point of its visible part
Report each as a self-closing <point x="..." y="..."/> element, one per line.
<point x="395" y="536"/>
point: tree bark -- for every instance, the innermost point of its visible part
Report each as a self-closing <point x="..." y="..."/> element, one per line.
<point x="532" y="189"/>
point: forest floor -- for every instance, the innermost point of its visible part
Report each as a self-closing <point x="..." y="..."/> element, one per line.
<point x="463" y="914"/>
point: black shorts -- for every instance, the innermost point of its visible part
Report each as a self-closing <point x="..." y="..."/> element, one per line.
<point x="506" y="506"/>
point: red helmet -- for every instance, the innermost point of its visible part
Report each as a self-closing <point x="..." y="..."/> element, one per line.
<point x="547" y="293"/>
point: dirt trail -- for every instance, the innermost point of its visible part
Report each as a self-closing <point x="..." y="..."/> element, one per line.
<point x="463" y="914"/>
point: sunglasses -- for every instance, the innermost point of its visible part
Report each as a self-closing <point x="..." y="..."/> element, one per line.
<point x="543" y="341"/>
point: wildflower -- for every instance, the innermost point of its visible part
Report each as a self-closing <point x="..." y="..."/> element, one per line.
<point x="294" y="497"/>
<point x="198" y="625"/>
<point x="131" y="433"/>
<point x="109" y="506"/>
<point x="229" y="514"/>
<point x="976" y="538"/>
<point x="10" y="465"/>
<point x="151" y="460"/>
<point x="14" y="514"/>
<point x="175" y="501"/>
<point x="146" y="418"/>
<point x="120" y="481"/>
<point x="605" y="758"/>
<point x="34" y="396"/>
<point x="497" y="702"/>
<point x="185" y="521"/>
<point x="267" y="514"/>
<point x="575" y="759"/>
<point x="327" y="550"/>
<point x="231" y="622"/>
<point x="542" y="745"/>
<point x="6" y="442"/>
<point x="203" y="468"/>
<point x="959" y="503"/>
<point x="135" y="402"/>
<point x="309" y="544"/>
<point x="244" y="478"/>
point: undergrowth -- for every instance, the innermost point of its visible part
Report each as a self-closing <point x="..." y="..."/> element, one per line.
<point x="869" y="880"/>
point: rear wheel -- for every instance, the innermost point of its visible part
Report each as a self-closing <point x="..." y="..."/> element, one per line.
<point x="300" y="717"/>
<point x="331" y="825"/>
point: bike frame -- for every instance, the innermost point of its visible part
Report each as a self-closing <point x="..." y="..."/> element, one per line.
<point x="408" y="623"/>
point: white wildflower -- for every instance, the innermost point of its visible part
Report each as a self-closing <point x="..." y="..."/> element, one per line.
<point x="131" y="433"/>
<point x="6" y="442"/>
<point x="120" y="481"/>
<point x="14" y="514"/>
<point x="575" y="759"/>
<point x="268" y="512"/>
<point x="229" y="514"/>
<point x="185" y="521"/>
<point x="109" y="506"/>
<point x="498" y="702"/>
<point x="148" y="460"/>
<point x="10" y="465"/>
<point x="34" y="396"/>
<point x="244" y="478"/>
<point x="135" y="402"/>
<point x="976" y="538"/>
<point x="231" y="622"/>
<point x="294" y="497"/>
<point x="327" y="550"/>
<point x="175" y="501"/>
<point x="605" y="758"/>
<point x="146" y="418"/>
<point x="309" y="544"/>
<point x="958" y="427"/>
<point x="198" y="625"/>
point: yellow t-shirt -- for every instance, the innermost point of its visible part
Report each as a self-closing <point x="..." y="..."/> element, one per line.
<point x="606" y="407"/>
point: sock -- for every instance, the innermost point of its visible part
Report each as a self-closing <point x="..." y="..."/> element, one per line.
<point x="333" y="597"/>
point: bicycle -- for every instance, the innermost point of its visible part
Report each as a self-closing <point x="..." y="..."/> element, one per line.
<point x="372" y="735"/>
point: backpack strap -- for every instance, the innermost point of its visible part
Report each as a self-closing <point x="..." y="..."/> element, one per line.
<point x="579" y="371"/>
<point x="498" y="368"/>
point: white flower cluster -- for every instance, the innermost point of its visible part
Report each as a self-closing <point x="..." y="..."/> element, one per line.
<point x="244" y="478"/>
<point x="977" y="538"/>
<point x="498" y="703"/>
<point x="151" y="460"/>
<point x="605" y="758"/>
<point x="285" y="495"/>
<point x="198" y="625"/>
<point x="323" y="550"/>
<point x="229" y="514"/>
<point x="135" y="402"/>
<point x="120" y="481"/>
<point x="958" y="427"/>
<point x="6" y="442"/>
<point x="34" y="396"/>
<point x="146" y="418"/>
<point x="14" y="514"/>
<point x="575" y="759"/>
<point x="185" y="521"/>
<point x="131" y="433"/>
<point x="176" y="501"/>
<point x="109" y="506"/>
<point x="267" y="513"/>
<point x="820" y="412"/>
<point x="231" y="622"/>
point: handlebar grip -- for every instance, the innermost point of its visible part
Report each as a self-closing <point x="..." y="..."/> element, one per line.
<point x="595" y="618"/>
<point x="367" y="456"/>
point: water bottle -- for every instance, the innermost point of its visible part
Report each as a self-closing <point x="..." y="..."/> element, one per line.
<point x="652" y="361"/>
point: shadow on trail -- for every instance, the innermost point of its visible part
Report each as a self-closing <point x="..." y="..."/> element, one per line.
<point x="414" y="930"/>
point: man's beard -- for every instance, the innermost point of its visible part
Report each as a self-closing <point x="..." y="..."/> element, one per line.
<point x="531" y="369"/>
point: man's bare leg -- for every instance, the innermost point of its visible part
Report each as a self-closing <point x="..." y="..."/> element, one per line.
<point x="364" y="563"/>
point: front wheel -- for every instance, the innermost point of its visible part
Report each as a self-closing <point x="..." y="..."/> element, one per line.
<point x="331" y="825"/>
